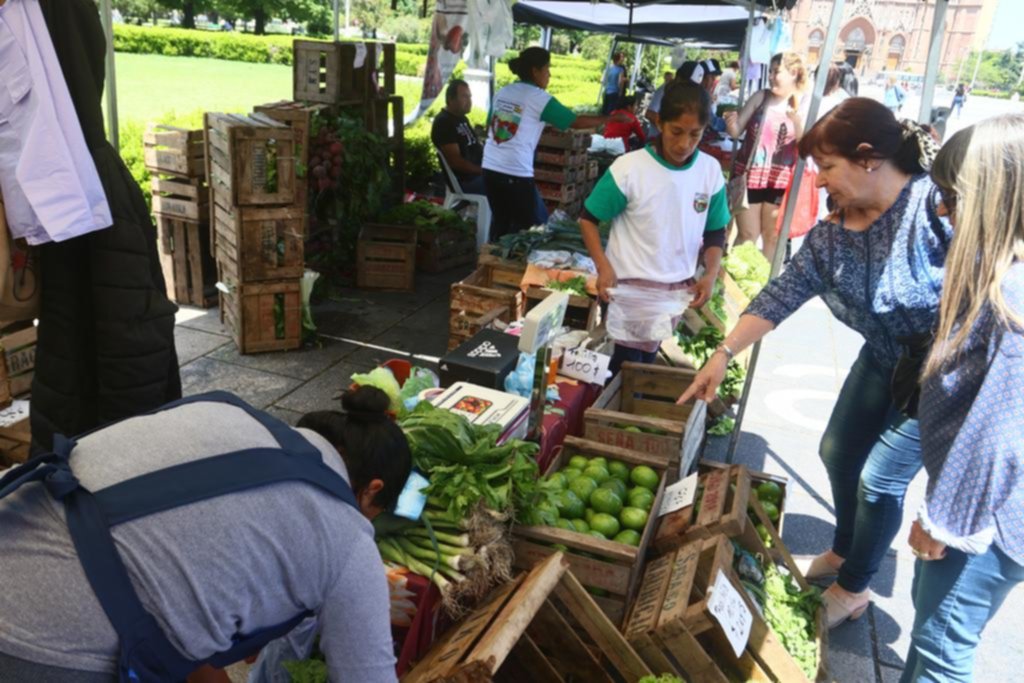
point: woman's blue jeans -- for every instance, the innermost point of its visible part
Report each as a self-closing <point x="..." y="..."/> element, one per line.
<point x="871" y="453"/>
<point x="954" y="599"/>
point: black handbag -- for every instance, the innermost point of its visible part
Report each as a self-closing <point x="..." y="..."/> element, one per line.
<point x="906" y="376"/>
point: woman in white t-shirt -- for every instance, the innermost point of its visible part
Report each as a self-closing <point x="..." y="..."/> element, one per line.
<point x="667" y="204"/>
<point x="518" y="116"/>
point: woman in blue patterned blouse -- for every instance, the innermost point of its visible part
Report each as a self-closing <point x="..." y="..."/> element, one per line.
<point x="969" y="535"/>
<point x="877" y="264"/>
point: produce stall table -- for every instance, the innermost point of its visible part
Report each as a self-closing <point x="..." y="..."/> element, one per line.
<point x="565" y="417"/>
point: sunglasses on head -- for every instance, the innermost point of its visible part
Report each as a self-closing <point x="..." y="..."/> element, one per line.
<point x="944" y="196"/>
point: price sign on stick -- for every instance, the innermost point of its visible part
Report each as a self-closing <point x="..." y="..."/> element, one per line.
<point x="585" y="365"/>
<point x="729" y="609"/>
<point x="679" y="495"/>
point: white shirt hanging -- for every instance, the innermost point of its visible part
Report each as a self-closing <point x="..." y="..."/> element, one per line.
<point x="760" y="43"/>
<point x="489" y="24"/>
<point x="51" y="189"/>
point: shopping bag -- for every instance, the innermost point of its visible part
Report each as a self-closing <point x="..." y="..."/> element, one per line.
<point x="19" y="276"/>
<point x="806" y="213"/>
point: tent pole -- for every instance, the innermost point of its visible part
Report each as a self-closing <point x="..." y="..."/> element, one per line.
<point x="827" y="48"/>
<point x="337" y="12"/>
<point x="611" y="53"/>
<point x="545" y="37"/>
<point x="977" y="65"/>
<point x="931" y="72"/>
<point x="111" y="82"/>
<point x="638" y="55"/>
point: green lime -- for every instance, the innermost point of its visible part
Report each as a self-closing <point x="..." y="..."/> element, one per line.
<point x="632" y="429"/>
<point x="762" y="531"/>
<point x="570" y="506"/>
<point x="772" y="510"/>
<point x="578" y="462"/>
<point x="558" y="480"/>
<point x="560" y="547"/>
<point x="581" y="526"/>
<point x="644" y="476"/>
<point x="616" y="485"/>
<point x="769" y="492"/>
<point x="588" y="514"/>
<point x="547" y="512"/>
<point x="627" y="536"/>
<point x="633" y="518"/>
<point x="640" y="497"/>
<point x="597" y="534"/>
<point x="619" y="470"/>
<point x="571" y="474"/>
<point x="597" y="473"/>
<point x="605" y="524"/>
<point x="606" y="501"/>
<point x="598" y="461"/>
<point x="583" y="486"/>
<point x="598" y="592"/>
<point x="565" y="524"/>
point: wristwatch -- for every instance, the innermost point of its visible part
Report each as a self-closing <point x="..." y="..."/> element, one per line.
<point x="729" y="353"/>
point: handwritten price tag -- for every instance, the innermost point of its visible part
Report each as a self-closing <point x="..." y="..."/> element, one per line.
<point x="679" y="495"/>
<point x="729" y="609"/>
<point x="585" y="365"/>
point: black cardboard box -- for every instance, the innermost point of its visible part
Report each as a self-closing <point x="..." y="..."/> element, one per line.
<point x="485" y="360"/>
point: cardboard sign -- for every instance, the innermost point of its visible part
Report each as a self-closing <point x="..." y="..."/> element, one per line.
<point x="14" y="413"/>
<point x="542" y="322"/>
<point x="679" y="495"/>
<point x="412" y="500"/>
<point x="586" y="365"/>
<point x="729" y="609"/>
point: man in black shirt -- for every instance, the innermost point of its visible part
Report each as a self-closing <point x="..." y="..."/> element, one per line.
<point x="455" y="140"/>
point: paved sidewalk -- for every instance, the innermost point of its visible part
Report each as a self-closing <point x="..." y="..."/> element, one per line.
<point x="799" y="374"/>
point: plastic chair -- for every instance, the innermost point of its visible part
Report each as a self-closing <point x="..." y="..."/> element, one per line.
<point x="454" y="195"/>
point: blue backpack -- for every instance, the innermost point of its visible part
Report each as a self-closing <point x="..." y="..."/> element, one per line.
<point x="146" y="653"/>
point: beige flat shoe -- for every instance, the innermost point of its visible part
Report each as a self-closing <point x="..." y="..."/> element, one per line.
<point x="815" y="567"/>
<point x="841" y="606"/>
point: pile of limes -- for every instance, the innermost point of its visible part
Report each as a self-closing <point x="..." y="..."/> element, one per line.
<point x="605" y="498"/>
<point x="769" y="494"/>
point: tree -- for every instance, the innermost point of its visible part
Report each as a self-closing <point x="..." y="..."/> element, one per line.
<point x="262" y="10"/>
<point x="525" y="35"/>
<point x="596" y="47"/>
<point x="188" y="9"/>
<point x="371" y="15"/>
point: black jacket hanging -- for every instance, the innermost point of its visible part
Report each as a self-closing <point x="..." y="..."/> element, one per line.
<point x="106" y="327"/>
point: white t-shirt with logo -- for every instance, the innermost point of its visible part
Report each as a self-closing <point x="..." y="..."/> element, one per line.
<point x="659" y="213"/>
<point x="518" y="116"/>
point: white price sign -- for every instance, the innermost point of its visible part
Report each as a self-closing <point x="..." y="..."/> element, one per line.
<point x="729" y="609"/>
<point x="679" y="495"/>
<point x="585" y="365"/>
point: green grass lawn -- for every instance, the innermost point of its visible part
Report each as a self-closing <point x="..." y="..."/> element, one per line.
<point x="159" y="88"/>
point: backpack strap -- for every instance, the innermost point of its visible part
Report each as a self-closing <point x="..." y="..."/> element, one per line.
<point x="146" y="652"/>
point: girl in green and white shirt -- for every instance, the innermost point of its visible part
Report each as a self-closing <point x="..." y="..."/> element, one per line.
<point x="666" y="203"/>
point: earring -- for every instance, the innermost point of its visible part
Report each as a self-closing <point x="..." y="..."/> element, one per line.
<point x="869" y="169"/>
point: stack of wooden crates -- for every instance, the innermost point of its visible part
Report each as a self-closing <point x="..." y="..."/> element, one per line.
<point x="257" y="229"/>
<point x="563" y="172"/>
<point x="174" y="159"/>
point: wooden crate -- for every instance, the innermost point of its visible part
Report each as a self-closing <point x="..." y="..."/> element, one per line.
<point x="592" y="169"/>
<point x="559" y="175"/>
<point x="16" y="436"/>
<point x="542" y="626"/>
<point x="190" y="272"/>
<point x="722" y="510"/>
<point x="642" y="397"/>
<point x="251" y="159"/>
<point x="299" y="117"/>
<point x="440" y="250"/>
<point x="757" y="478"/>
<point x="182" y="198"/>
<point x="557" y="193"/>
<point x="256" y="244"/>
<point x="490" y="255"/>
<point x="19" y="346"/>
<point x="488" y="289"/>
<point x="265" y="316"/>
<point x="560" y="157"/>
<point x="173" y="151"/>
<point x="386" y="258"/>
<point x="467" y="325"/>
<point x="342" y="72"/>
<point x="571" y="139"/>
<point x="582" y="313"/>
<point x="603" y="565"/>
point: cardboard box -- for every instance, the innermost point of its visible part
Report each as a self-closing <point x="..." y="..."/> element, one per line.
<point x="485" y="360"/>
<point x="483" y="406"/>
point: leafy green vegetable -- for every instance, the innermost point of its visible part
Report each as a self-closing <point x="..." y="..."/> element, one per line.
<point x="663" y="678"/>
<point x="383" y="379"/>
<point x="748" y="267"/>
<point x="700" y="346"/>
<point x="557" y="235"/>
<point x="427" y="216"/>
<point x="576" y="285"/>
<point x="732" y="385"/>
<point x="307" y="671"/>
<point x="722" y="427"/>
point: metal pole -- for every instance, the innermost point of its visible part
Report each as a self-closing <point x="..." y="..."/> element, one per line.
<point x="111" y="80"/>
<point x="545" y="37"/>
<point x="960" y="69"/>
<point x="827" y="48"/>
<point x="600" y="91"/>
<point x="931" y="71"/>
<point x="638" y="55"/>
<point x="348" y="15"/>
<point x="977" y="65"/>
<point x="744" y="57"/>
<point x="336" y="13"/>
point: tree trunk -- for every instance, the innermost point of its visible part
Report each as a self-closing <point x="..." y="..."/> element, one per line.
<point x="189" y="11"/>
<point x="260" y="19"/>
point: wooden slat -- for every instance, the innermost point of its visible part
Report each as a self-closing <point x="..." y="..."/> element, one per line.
<point x="566" y="652"/>
<point x="607" y="576"/>
<point x="695" y="661"/>
<point x="527" y="662"/>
